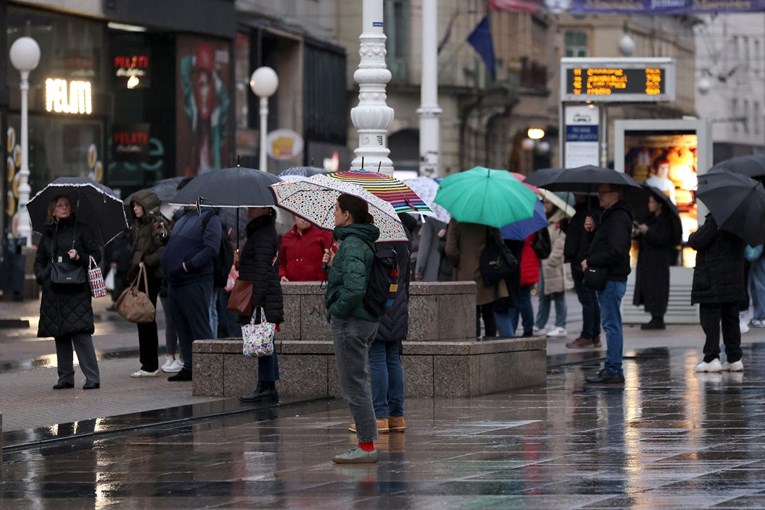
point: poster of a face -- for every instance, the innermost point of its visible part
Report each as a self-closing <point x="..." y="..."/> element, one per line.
<point x="202" y="92"/>
<point x="667" y="161"/>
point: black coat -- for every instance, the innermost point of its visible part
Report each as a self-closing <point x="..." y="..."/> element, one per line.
<point x="258" y="264"/>
<point x="394" y="324"/>
<point x="610" y="247"/>
<point x="719" y="273"/>
<point x="654" y="258"/>
<point x="64" y="309"/>
<point x="577" y="239"/>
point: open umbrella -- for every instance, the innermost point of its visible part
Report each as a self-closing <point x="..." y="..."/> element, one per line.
<point x="230" y="187"/>
<point x="94" y="205"/>
<point x="586" y="179"/>
<point x="165" y="189"/>
<point x="385" y="187"/>
<point x="753" y="165"/>
<point x="426" y="188"/>
<point x="301" y="172"/>
<point x="314" y="199"/>
<point x="640" y="206"/>
<point x="737" y="203"/>
<point x="520" y="230"/>
<point x="543" y="176"/>
<point x="486" y="197"/>
<point x="562" y="200"/>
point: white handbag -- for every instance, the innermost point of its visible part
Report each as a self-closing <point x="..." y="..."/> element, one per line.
<point x="258" y="338"/>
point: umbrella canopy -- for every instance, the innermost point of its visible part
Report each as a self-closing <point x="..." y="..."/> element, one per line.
<point x="640" y="206"/>
<point x="586" y="179"/>
<point x="314" y="199"/>
<point x="543" y="176"/>
<point x="520" y="230"/>
<point x="165" y="189"/>
<point x="385" y="187"/>
<point x="564" y="204"/>
<point x="737" y="203"/>
<point x="94" y="205"/>
<point x="301" y="172"/>
<point x="486" y="197"/>
<point x="426" y="188"/>
<point x="753" y="166"/>
<point x="230" y="187"/>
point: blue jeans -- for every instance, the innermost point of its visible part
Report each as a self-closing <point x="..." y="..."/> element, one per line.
<point x="352" y="338"/>
<point x="525" y="310"/>
<point x="610" y="300"/>
<point x="589" y="301"/>
<point x="757" y="288"/>
<point x="387" y="379"/>
<point x="543" y="312"/>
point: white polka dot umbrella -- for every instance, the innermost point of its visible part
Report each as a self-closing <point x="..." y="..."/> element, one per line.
<point x="314" y="199"/>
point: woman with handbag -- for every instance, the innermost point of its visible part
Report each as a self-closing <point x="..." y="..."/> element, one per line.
<point x="147" y="249"/>
<point x="258" y="265"/>
<point x="66" y="313"/>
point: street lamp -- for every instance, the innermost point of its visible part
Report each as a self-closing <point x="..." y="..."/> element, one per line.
<point x="263" y="83"/>
<point x="25" y="55"/>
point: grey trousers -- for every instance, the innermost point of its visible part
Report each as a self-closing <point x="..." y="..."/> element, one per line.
<point x="352" y="339"/>
<point x="86" y="354"/>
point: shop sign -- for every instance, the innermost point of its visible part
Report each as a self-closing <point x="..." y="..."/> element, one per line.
<point x="130" y="143"/>
<point x="284" y="144"/>
<point x="132" y="69"/>
<point x="68" y="96"/>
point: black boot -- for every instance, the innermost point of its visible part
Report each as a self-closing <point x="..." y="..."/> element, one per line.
<point x="264" y="392"/>
<point x="656" y="322"/>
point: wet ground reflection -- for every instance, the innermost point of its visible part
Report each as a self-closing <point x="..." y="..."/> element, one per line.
<point x="668" y="439"/>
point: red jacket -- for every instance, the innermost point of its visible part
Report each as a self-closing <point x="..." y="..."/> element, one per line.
<point x="529" y="262"/>
<point x="300" y="254"/>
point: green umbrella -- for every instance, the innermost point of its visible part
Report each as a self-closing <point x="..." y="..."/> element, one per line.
<point x="487" y="197"/>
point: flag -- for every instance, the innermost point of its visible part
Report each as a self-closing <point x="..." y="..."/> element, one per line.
<point x="448" y="32"/>
<point x="480" y="40"/>
<point x="531" y="6"/>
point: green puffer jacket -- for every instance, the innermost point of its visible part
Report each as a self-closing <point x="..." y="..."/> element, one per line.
<point x="147" y="246"/>
<point x="351" y="269"/>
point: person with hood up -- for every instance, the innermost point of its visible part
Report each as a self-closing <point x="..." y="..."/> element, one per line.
<point x="353" y="327"/>
<point x="301" y="251"/>
<point x="147" y="249"/>
<point x="610" y="251"/>
<point x="66" y="312"/>
<point x="257" y="264"/>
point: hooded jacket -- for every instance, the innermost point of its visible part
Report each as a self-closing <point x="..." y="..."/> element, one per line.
<point x="64" y="309"/>
<point x="610" y="246"/>
<point x="300" y="254"/>
<point x="147" y="245"/>
<point x="350" y="272"/>
<point x="195" y="241"/>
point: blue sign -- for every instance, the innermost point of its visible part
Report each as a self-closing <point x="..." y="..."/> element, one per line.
<point x="587" y="133"/>
<point x="665" y="6"/>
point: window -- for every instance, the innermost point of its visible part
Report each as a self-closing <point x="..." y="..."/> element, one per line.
<point x="757" y="116"/>
<point x="397" y="31"/>
<point x="734" y="113"/>
<point x="746" y="116"/>
<point x="575" y="44"/>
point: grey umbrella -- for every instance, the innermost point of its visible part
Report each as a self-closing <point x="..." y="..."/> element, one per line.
<point x="753" y="165"/>
<point x="737" y="203"/>
<point x="230" y="187"/>
<point x="165" y="189"/>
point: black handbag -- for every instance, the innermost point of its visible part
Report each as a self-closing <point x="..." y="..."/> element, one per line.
<point x="595" y="277"/>
<point x="496" y="261"/>
<point x="68" y="272"/>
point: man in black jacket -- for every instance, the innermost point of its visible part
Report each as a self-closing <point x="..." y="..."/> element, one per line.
<point x="610" y="250"/>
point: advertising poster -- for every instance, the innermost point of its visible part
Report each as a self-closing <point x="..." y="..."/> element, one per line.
<point x="203" y="94"/>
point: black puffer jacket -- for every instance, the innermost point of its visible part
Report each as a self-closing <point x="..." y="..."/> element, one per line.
<point x="394" y="324"/>
<point x="719" y="273"/>
<point x="64" y="309"/>
<point x="257" y="263"/>
<point x="610" y="247"/>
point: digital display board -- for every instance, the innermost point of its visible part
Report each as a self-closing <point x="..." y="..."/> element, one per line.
<point x="617" y="80"/>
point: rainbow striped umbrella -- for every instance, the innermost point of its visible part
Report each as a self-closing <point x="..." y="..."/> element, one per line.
<point x="387" y="188"/>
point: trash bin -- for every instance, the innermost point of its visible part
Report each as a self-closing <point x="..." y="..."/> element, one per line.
<point x="12" y="269"/>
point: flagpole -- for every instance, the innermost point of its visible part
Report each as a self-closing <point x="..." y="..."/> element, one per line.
<point x="429" y="110"/>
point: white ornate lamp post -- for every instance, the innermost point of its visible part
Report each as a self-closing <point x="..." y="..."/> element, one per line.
<point x="372" y="117"/>
<point x="429" y="109"/>
<point x="264" y="83"/>
<point x="25" y="55"/>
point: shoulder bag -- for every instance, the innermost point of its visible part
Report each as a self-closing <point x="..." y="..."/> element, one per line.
<point x="595" y="277"/>
<point x="133" y="304"/>
<point x="65" y="271"/>
<point x="240" y="300"/>
<point x="496" y="261"/>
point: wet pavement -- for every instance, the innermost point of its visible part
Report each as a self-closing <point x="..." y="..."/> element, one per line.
<point x="669" y="438"/>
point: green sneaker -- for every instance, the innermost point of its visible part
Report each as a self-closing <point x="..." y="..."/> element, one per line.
<point x="356" y="456"/>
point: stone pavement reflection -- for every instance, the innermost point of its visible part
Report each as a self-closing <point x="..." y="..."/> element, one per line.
<point x="669" y="439"/>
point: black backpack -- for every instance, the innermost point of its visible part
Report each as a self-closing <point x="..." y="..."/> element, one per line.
<point x="224" y="259"/>
<point x="496" y="261"/>
<point x="383" y="282"/>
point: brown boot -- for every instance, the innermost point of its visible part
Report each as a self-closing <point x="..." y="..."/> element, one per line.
<point x="396" y="423"/>
<point x="382" y="426"/>
<point x="580" y="343"/>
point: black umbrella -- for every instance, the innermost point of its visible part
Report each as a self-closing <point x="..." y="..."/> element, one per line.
<point x="230" y="187"/>
<point x="586" y="179"/>
<point x="543" y="176"/>
<point x="165" y="189"/>
<point x="737" y="203"/>
<point x="753" y="166"/>
<point x="302" y="171"/>
<point x="640" y="205"/>
<point x="94" y="205"/>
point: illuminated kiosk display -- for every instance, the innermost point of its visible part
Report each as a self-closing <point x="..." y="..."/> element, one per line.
<point x="669" y="154"/>
<point x="624" y="80"/>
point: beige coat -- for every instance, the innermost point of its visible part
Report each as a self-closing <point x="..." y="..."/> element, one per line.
<point x="464" y="243"/>
<point x="556" y="273"/>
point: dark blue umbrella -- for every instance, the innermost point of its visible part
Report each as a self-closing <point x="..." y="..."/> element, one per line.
<point x="520" y="230"/>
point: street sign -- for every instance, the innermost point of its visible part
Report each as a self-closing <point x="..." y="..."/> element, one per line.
<point x="617" y="79"/>
<point x="582" y="136"/>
